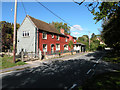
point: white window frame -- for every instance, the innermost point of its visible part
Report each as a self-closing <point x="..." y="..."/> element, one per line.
<point x="45" y="49"/>
<point x="57" y="47"/>
<point x="66" y="39"/>
<point x="52" y="35"/>
<point x="74" y="40"/>
<point x="66" y="48"/>
<point x="26" y="34"/>
<point x="58" y="37"/>
<point x="45" y="35"/>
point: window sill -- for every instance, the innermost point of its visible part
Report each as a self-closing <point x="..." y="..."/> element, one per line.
<point x="44" y="38"/>
<point x="26" y="36"/>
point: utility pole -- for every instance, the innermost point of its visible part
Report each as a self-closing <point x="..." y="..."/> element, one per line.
<point x="14" y="36"/>
<point x="89" y="39"/>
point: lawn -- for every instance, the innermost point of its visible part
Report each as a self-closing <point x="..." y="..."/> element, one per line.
<point x="105" y="81"/>
<point x="7" y="62"/>
<point x="112" y="56"/>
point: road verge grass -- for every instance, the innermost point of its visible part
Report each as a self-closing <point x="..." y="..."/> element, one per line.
<point x="112" y="56"/>
<point x="7" y="62"/>
<point x="104" y="81"/>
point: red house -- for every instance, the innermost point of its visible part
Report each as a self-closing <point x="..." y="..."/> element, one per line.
<point x="45" y="37"/>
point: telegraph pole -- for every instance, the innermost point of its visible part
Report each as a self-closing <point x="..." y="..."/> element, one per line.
<point x="14" y="36"/>
<point x="89" y="39"/>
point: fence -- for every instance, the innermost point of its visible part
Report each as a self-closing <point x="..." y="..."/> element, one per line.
<point x="56" y="52"/>
<point x="30" y="56"/>
<point x="27" y="56"/>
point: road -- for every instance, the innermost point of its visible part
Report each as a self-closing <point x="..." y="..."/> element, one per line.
<point x="58" y="74"/>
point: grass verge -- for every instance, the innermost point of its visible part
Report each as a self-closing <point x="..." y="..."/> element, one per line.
<point x="105" y="81"/>
<point x="113" y="57"/>
<point x="7" y="62"/>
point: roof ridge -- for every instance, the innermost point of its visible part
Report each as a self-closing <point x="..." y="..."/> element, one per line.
<point x="36" y="19"/>
<point x="44" y="25"/>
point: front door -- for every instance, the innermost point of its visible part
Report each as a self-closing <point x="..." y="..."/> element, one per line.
<point x="52" y="48"/>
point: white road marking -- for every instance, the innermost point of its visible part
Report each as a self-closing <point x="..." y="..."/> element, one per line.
<point x="72" y="86"/>
<point x="100" y="58"/>
<point x="88" y="71"/>
<point x="94" y="65"/>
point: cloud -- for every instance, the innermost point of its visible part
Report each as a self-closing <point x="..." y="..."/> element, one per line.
<point x="76" y="27"/>
<point x="75" y="33"/>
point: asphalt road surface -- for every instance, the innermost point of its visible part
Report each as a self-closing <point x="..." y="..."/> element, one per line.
<point x="58" y="74"/>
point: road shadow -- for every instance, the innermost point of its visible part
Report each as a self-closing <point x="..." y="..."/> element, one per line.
<point x="57" y="74"/>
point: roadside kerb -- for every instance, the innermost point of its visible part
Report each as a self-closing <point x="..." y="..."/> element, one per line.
<point x="37" y="63"/>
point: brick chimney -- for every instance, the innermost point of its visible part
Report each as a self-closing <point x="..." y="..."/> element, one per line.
<point x="62" y="31"/>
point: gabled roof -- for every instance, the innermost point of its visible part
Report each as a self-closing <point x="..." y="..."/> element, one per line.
<point x="44" y="26"/>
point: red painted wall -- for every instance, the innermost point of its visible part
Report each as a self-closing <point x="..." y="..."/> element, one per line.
<point x="72" y="39"/>
<point x="50" y="40"/>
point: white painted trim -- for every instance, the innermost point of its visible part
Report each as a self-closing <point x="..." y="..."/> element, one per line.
<point x="30" y="21"/>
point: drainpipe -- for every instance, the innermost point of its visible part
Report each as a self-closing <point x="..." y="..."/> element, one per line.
<point x="36" y="41"/>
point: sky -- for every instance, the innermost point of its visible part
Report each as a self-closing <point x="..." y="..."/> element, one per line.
<point x="78" y="16"/>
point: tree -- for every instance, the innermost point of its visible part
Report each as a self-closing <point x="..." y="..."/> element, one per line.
<point x="93" y="35"/>
<point x="106" y="11"/>
<point x="85" y="40"/>
<point x="109" y="12"/>
<point x="7" y="34"/>
<point x="71" y="45"/>
<point x="59" y="25"/>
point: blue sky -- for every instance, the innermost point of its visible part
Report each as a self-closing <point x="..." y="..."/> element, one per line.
<point x="76" y="15"/>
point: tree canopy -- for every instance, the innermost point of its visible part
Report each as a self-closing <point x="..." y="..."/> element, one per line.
<point x="106" y="11"/>
<point x="6" y="29"/>
<point x="59" y="25"/>
<point x="109" y="12"/>
<point x="94" y="43"/>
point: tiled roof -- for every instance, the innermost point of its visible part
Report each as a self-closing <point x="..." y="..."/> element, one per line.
<point x="44" y="26"/>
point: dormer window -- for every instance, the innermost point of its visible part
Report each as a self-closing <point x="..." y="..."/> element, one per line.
<point x="44" y="35"/>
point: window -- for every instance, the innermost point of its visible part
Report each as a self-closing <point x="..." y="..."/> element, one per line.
<point x="58" y="37"/>
<point x="23" y="33"/>
<point x="44" y="47"/>
<point x="57" y="47"/>
<point x="74" y="40"/>
<point x="66" y="47"/>
<point x="66" y="39"/>
<point x="26" y="33"/>
<point x="52" y="35"/>
<point x="44" y="35"/>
